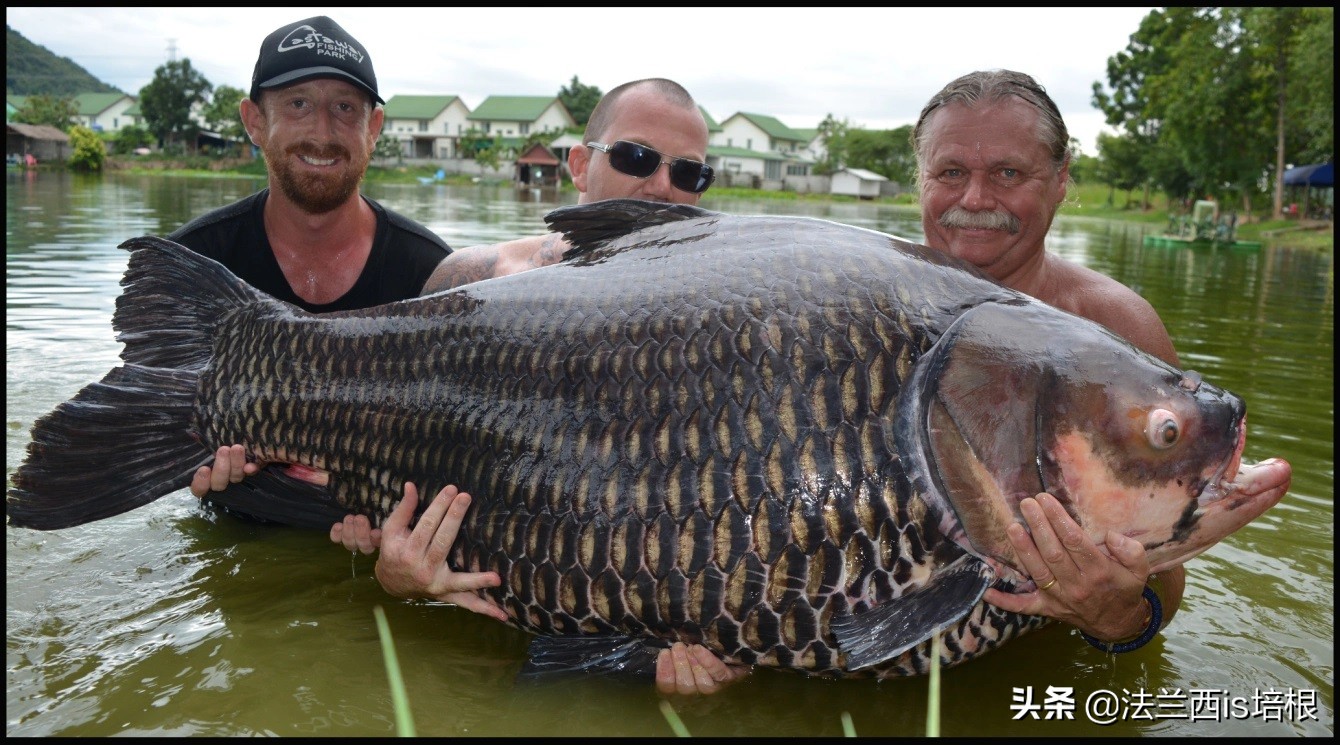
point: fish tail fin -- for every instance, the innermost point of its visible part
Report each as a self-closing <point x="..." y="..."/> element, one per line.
<point x="131" y="438"/>
<point x="118" y="444"/>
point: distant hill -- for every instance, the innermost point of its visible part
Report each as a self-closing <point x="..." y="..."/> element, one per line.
<point x="32" y="69"/>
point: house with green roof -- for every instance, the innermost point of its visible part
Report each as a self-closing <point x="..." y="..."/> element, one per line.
<point x="426" y="126"/>
<point x="104" y="112"/>
<point x="514" y="118"/>
<point x="712" y="126"/>
<point x="781" y="149"/>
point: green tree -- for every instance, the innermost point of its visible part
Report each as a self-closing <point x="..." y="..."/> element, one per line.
<point x="89" y="153"/>
<point x="388" y="147"/>
<point x="1311" y="97"/>
<point x="223" y="115"/>
<point x="835" y="144"/>
<point x="167" y="102"/>
<point x="1121" y="165"/>
<point x="887" y="152"/>
<point x="131" y="137"/>
<point x="580" y="100"/>
<point x="1218" y="98"/>
<point x="1127" y="103"/>
<point x="59" y="112"/>
<point x="484" y="148"/>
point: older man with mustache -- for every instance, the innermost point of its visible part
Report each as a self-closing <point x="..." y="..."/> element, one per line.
<point x="993" y="162"/>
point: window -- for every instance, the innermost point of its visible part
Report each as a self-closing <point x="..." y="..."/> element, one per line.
<point x="524" y="129"/>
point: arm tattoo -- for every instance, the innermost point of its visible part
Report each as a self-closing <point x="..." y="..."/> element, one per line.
<point x="551" y="250"/>
<point x="462" y="267"/>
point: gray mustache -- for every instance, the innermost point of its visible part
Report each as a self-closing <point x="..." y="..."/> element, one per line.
<point x="957" y="217"/>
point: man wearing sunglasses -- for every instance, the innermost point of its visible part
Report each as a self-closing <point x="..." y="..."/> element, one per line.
<point x="645" y="140"/>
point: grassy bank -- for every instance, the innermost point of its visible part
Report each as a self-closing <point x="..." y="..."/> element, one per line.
<point x="1084" y="201"/>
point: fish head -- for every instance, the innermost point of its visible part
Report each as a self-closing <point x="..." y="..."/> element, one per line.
<point x="1024" y="398"/>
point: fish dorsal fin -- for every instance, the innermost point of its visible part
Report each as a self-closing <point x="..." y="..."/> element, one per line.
<point x="589" y="226"/>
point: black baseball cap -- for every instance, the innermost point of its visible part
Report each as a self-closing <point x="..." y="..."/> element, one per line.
<point x="313" y="48"/>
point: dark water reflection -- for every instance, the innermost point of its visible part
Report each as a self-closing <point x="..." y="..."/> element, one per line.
<point x="172" y="621"/>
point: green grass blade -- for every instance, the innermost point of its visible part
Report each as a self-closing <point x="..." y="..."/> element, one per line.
<point x="933" y="696"/>
<point x="676" y="724"/>
<point x="404" y="723"/>
<point x="848" y="729"/>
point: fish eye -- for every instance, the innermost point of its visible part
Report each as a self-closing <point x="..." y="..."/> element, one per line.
<point x="1163" y="429"/>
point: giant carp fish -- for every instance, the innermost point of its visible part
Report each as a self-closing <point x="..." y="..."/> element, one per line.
<point x="793" y="441"/>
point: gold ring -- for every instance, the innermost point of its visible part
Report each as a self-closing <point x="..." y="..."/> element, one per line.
<point x="1049" y="584"/>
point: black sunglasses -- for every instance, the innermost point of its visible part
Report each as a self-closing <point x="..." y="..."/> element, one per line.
<point x="640" y="161"/>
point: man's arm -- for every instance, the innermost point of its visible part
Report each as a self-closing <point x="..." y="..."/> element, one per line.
<point x="495" y="260"/>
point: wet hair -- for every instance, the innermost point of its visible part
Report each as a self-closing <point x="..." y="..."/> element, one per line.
<point x="603" y="114"/>
<point x="989" y="86"/>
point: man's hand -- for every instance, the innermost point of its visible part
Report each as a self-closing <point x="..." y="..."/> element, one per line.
<point x="356" y="534"/>
<point x="413" y="564"/>
<point x="230" y="466"/>
<point x="685" y="669"/>
<point x="1084" y="586"/>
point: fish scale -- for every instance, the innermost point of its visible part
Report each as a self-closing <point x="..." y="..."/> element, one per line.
<point x="747" y="433"/>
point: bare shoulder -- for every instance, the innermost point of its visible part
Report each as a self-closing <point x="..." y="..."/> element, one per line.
<point x="1104" y="300"/>
<point x="486" y="261"/>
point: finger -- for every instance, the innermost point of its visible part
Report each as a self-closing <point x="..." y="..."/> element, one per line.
<point x="1128" y="552"/>
<point x="684" y="680"/>
<point x="237" y="464"/>
<point x="473" y="602"/>
<point x="440" y="522"/>
<point x="223" y="459"/>
<point x="1054" y="554"/>
<point x="665" y="673"/>
<point x="1083" y="552"/>
<point x="200" y="481"/>
<point x="398" y="520"/>
<point x="362" y="533"/>
<point x="423" y="537"/>
<point x="1014" y="602"/>
<point x="708" y="669"/>
<point x="445" y="535"/>
<point x="1030" y="558"/>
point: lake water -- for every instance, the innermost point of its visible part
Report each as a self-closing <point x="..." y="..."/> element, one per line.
<point x="170" y="620"/>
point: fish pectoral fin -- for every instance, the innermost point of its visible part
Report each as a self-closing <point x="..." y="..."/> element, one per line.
<point x="621" y="655"/>
<point x="889" y="629"/>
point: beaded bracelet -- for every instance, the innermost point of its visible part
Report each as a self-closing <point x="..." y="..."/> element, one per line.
<point x="1155" y="620"/>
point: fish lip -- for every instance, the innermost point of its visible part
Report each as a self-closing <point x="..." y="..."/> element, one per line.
<point x="1225" y="481"/>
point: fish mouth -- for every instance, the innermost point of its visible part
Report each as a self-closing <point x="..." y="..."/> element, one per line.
<point x="1238" y="494"/>
<point x="1223" y="482"/>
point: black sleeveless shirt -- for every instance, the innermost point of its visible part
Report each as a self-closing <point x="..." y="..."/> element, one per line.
<point x="404" y="254"/>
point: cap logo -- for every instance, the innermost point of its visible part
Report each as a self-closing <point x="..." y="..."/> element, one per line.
<point x="306" y="37"/>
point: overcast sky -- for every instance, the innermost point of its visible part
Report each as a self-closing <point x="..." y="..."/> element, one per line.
<point x="873" y="67"/>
